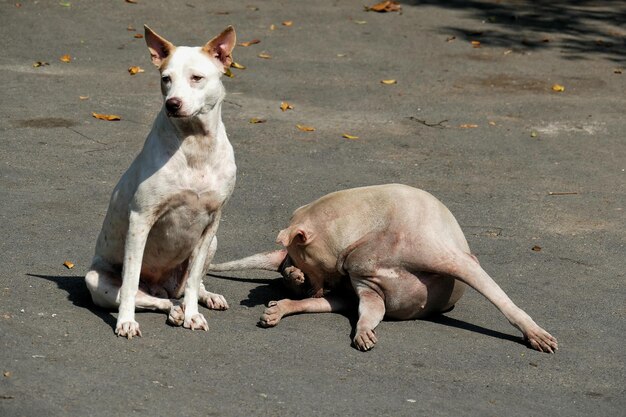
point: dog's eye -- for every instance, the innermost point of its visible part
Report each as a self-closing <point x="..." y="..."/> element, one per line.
<point x="166" y="79"/>
<point x="196" y="78"/>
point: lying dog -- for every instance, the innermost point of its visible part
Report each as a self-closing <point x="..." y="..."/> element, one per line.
<point x="158" y="236"/>
<point x="401" y="250"/>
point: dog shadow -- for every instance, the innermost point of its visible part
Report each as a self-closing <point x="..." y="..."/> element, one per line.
<point x="79" y="295"/>
<point x="269" y="290"/>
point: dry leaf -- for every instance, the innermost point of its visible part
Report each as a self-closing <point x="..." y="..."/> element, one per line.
<point x="272" y="27"/>
<point x="108" y="117"/>
<point x="7" y="374"/>
<point x="558" y="88"/>
<point x="237" y="65"/>
<point x="138" y="36"/>
<point x="345" y="135"/>
<point x="288" y="23"/>
<point x="450" y="38"/>
<point x="228" y="73"/>
<point x="265" y="56"/>
<point x="130" y="28"/>
<point x="536" y="248"/>
<point x="131" y="1"/>
<point x="468" y="126"/>
<point x="475" y="44"/>
<point x="384" y="6"/>
<point x="255" y="120"/>
<point x="83" y="97"/>
<point x="617" y="71"/>
<point x="66" y="58"/>
<point x="252" y="42"/>
<point x="389" y="82"/>
<point x="68" y="264"/>
<point x="360" y="22"/>
<point x="40" y="64"/>
<point x="285" y="106"/>
<point x="135" y="70"/>
<point x="533" y="134"/>
<point x="492" y="123"/>
<point x="305" y="128"/>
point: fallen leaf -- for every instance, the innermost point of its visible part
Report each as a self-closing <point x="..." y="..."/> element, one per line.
<point x="253" y="8"/>
<point x="389" y="82"/>
<point x="65" y="3"/>
<point x="617" y="71"/>
<point x="288" y="23"/>
<point x="536" y="248"/>
<point x="228" y="73"/>
<point x="272" y="27"/>
<point x="508" y="51"/>
<point x="252" y="42"/>
<point x="450" y="38"/>
<point x="265" y="56"/>
<point x="83" y="97"/>
<point x="345" y="135"/>
<point x="135" y="70"/>
<point x="305" y="128"/>
<point x="108" y="117"/>
<point x="138" y="36"/>
<point x="7" y="374"/>
<point x="468" y="126"/>
<point x="237" y="65"/>
<point x="558" y="88"/>
<point x="360" y="22"/>
<point x="533" y="134"/>
<point x="384" y="7"/>
<point x="492" y="123"/>
<point x="130" y="28"/>
<point x="475" y="44"/>
<point x="131" y="1"/>
<point x="255" y="120"/>
<point x="66" y="58"/>
<point x="285" y="106"/>
<point x="68" y="264"/>
<point x="40" y="64"/>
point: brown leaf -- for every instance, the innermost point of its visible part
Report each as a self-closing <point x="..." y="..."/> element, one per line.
<point x="468" y="126"/>
<point x="131" y="1"/>
<point x="347" y="136"/>
<point x="83" y="97"/>
<point x="389" y="82"/>
<point x="66" y="58"/>
<point x="7" y="374"/>
<point x="305" y="128"/>
<point x="108" y="117"/>
<point x="558" y="88"/>
<point x="135" y="70"/>
<point x="288" y="23"/>
<point x="252" y="42"/>
<point x="265" y="55"/>
<point x="255" y="120"/>
<point x="138" y="36"/>
<point x="130" y="28"/>
<point x="68" y="264"/>
<point x="617" y="71"/>
<point x="272" y="27"/>
<point x="284" y="106"/>
<point x="450" y="38"/>
<point x="536" y="248"/>
<point x="384" y="6"/>
<point x="475" y="44"/>
<point x="40" y="64"/>
<point x="237" y="65"/>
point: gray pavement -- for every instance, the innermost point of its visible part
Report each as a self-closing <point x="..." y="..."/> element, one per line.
<point x="59" y="355"/>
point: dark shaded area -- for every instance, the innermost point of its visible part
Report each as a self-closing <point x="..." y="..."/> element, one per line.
<point x="78" y="294"/>
<point x="460" y="324"/>
<point x="582" y="29"/>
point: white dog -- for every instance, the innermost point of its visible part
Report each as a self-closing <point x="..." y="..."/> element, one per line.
<point x="158" y="236"/>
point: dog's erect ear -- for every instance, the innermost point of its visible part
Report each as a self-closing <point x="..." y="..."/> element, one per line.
<point x="159" y="47"/>
<point x="221" y="46"/>
<point x="297" y="236"/>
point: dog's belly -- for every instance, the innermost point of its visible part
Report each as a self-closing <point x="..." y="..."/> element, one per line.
<point x="415" y="295"/>
<point x="176" y="233"/>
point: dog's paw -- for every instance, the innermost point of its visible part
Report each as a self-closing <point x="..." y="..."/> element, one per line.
<point x="176" y="317"/>
<point x="272" y="314"/>
<point x="365" y="339"/>
<point x="128" y="329"/>
<point x="214" y="301"/>
<point x="196" y="322"/>
<point x="293" y="274"/>
<point x="541" y="340"/>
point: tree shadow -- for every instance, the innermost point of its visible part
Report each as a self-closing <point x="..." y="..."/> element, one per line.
<point x="576" y="28"/>
<point x="79" y="295"/>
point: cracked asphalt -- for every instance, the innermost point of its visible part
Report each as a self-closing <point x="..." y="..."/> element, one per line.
<point x="534" y="176"/>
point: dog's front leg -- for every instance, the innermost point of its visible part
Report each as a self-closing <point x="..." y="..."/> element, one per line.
<point x="137" y="235"/>
<point x="197" y="267"/>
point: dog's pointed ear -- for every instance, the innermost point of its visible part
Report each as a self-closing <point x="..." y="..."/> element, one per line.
<point x="221" y="46"/>
<point x="290" y="236"/>
<point x="159" y="47"/>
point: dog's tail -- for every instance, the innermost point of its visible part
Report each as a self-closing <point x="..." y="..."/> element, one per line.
<point x="268" y="261"/>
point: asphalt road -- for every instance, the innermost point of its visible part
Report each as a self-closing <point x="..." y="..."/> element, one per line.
<point x="478" y="125"/>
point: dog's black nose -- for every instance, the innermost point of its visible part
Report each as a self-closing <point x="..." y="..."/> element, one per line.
<point x="173" y="104"/>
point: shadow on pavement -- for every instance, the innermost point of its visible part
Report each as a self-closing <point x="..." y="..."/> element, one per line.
<point x="460" y="324"/>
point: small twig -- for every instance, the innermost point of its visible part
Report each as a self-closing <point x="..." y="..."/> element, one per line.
<point x="438" y="125"/>
<point x="562" y="193"/>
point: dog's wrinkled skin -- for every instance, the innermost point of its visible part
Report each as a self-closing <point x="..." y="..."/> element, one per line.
<point x="401" y="250"/>
<point x="158" y="236"/>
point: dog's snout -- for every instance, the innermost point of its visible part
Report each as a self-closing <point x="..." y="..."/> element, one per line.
<point x="173" y="104"/>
